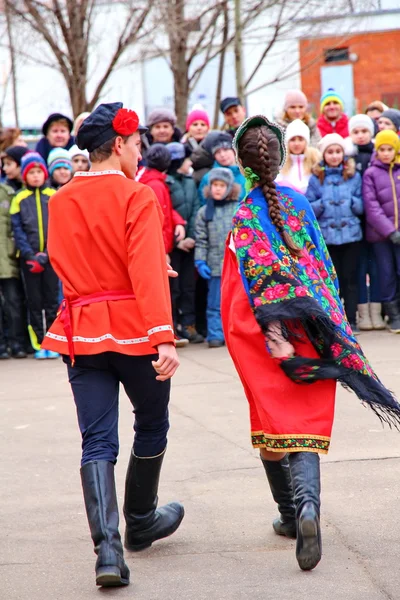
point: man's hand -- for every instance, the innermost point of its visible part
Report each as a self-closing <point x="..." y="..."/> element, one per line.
<point x="180" y="233"/>
<point x="171" y="272"/>
<point x="167" y="362"/>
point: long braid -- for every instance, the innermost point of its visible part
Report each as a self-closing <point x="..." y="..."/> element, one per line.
<point x="255" y="148"/>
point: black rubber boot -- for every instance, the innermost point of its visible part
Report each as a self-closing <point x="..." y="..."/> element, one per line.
<point x="278" y="474"/>
<point x="392" y="311"/>
<point x="304" y="469"/>
<point x="102" y="512"/>
<point x="144" y="522"/>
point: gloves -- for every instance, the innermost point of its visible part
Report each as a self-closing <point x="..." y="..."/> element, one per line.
<point x="42" y="258"/>
<point x="34" y="265"/>
<point x="203" y="269"/>
<point x="395" y="237"/>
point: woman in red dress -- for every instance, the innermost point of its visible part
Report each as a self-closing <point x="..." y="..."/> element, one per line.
<point x="285" y="327"/>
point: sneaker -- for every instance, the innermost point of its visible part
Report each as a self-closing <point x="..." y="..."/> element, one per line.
<point x="216" y="343"/>
<point x="190" y="333"/>
<point x="181" y="342"/>
<point x="51" y="354"/>
<point x="40" y="354"/>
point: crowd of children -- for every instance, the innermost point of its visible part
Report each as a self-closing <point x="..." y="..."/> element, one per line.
<point x="349" y="169"/>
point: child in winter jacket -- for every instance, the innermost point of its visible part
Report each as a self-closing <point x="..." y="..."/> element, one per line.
<point x="334" y="192"/>
<point x="213" y="223"/>
<point x="12" y="340"/>
<point x="11" y="165"/>
<point x="29" y="217"/>
<point x="301" y="158"/>
<point x="185" y="200"/>
<point x="60" y="167"/>
<point x="381" y="194"/>
<point x="369" y="308"/>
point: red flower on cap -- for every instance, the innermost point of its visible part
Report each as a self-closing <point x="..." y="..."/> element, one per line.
<point x="125" y="121"/>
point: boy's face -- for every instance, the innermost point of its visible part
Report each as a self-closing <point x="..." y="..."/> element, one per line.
<point x="332" y="110"/>
<point x="58" y="135"/>
<point x="225" y="157"/>
<point x="218" y="190"/>
<point x="162" y="132"/>
<point x="62" y="175"/>
<point x="129" y="154"/>
<point x="334" y="155"/>
<point x="80" y="163"/>
<point x="361" y="136"/>
<point x="234" y="116"/>
<point x="386" y="154"/>
<point x="297" y="145"/>
<point x="35" y="177"/>
<point x="385" y="123"/>
<point x="11" y="168"/>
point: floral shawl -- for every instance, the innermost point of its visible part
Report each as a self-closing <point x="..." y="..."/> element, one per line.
<point x="303" y="292"/>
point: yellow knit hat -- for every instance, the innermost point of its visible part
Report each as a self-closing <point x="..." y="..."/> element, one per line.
<point x="389" y="137"/>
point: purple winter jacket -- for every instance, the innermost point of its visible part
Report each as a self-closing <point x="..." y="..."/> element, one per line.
<point x="381" y="196"/>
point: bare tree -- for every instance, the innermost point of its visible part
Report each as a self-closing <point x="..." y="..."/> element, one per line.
<point x="67" y="27"/>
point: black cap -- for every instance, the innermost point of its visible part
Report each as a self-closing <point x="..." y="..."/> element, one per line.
<point x="16" y="153"/>
<point x="55" y="117"/>
<point x="228" y="103"/>
<point x="97" y="128"/>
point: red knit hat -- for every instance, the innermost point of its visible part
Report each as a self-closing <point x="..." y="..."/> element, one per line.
<point x="197" y="115"/>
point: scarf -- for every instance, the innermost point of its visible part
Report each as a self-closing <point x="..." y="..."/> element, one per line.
<point x="303" y="291"/>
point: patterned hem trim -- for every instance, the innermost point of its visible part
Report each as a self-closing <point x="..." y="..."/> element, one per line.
<point x="290" y="443"/>
<point x="97" y="340"/>
<point x="97" y="173"/>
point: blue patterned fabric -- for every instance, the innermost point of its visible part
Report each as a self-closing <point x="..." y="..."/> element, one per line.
<point x="302" y="293"/>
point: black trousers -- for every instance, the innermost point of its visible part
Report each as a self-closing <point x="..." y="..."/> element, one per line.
<point x="183" y="288"/>
<point x="346" y="260"/>
<point x="41" y="291"/>
<point x="95" y="384"/>
<point x="12" y="326"/>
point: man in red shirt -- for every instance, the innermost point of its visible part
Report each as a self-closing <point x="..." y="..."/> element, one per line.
<point x="115" y="326"/>
<point x="332" y="118"/>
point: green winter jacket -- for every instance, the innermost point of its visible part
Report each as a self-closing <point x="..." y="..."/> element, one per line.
<point x="8" y="261"/>
<point x="185" y="199"/>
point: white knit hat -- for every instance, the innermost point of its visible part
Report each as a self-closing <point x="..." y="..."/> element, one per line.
<point x="362" y="121"/>
<point x="75" y="151"/>
<point x="330" y="140"/>
<point x="297" y="128"/>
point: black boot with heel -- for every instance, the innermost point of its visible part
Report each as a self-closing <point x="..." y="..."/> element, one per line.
<point x="145" y="523"/>
<point x="98" y="486"/>
<point x="278" y="474"/>
<point x="305" y="472"/>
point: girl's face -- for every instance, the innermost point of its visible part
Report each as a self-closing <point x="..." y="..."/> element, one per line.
<point x="198" y="130"/>
<point x="297" y="145"/>
<point x="11" y="168"/>
<point x="385" y="123"/>
<point x="62" y="175"/>
<point x="361" y="136"/>
<point x="218" y="190"/>
<point x="296" y="111"/>
<point x="386" y="154"/>
<point x="334" y="155"/>
<point x="80" y="163"/>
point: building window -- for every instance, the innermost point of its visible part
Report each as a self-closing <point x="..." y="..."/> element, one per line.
<point x="336" y="55"/>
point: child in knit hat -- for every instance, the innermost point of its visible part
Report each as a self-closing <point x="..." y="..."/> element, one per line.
<point x="79" y="158"/>
<point x="332" y="118"/>
<point x="381" y="194"/>
<point x="60" y="167"/>
<point x="300" y="159"/>
<point x="213" y="223"/>
<point x="389" y="119"/>
<point x="334" y="191"/>
<point x="11" y="165"/>
<point x="369" y="309"/>
<point x="29" y="218"/>
<point x="295" y="107"/>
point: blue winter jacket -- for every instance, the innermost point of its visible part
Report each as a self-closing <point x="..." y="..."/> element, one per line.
<point x="239" y="179"/>
<point x="337" y="204"/>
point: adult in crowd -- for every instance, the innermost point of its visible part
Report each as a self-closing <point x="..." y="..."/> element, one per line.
<point x="202" y="159"/>
<point x="295" y="107"/>
<point x="389" y="119"/>
<point x="11" y="136"/>
<point x="78" y="122"/>
<point x="162" y="127"/>
<point x="374" y="111"/>
<point x="332" y="118"/>
<point x="56" y="134"/>
<point x="197" y="127"/>
<point x="224" y="156"/>
<point x="234" y="114"/>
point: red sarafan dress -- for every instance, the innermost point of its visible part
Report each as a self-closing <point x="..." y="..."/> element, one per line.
<point x="284" y="416"/>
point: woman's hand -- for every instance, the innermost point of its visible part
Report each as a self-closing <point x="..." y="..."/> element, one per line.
<point x="167" y="362"/>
